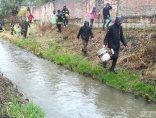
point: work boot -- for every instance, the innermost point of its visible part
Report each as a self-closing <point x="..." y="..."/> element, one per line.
<point x="107" y="25"/>
<point x="82" y="50"/>
<point x="113" y="71"/>
<point x="104" y="64"/>
<point x="85" y="53"/>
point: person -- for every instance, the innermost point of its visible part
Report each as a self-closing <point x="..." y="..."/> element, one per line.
<point x="65" y="13"/>
<point x="106" y="15"/>
<point x="30" y="17"/>
<point x="59" y="20"/>
<point x="93" y="14"/>
<point x="1" y="28"/>
<point x="12" y="27"/>
<point x="85" y="31"/>
<point x="24" y="27"/>
<point x="53" y="18"/>
<point x="113" y="37"/>
<point x="18" y="31"/>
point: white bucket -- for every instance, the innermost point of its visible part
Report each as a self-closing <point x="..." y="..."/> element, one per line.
<point x="103" y="55"/>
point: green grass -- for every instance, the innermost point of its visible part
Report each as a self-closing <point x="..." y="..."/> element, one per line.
<point x="16" y="107"/>
<point x="22" y="111"/>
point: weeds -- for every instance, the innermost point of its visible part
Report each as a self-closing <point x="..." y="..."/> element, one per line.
<point x="22" y="111"/>
<point x="14" y="106"/>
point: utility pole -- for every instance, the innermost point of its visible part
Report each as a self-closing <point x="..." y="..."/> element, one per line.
<point x="117" y="8"/>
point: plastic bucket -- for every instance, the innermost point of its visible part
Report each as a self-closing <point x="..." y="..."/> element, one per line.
<point x="103" y="55"/>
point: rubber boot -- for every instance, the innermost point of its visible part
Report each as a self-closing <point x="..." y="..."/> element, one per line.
<point x="82" y="50"/>
<point x="85" y="53"/>
<point x="112" y="70"/>
<point x="104" y="64"/>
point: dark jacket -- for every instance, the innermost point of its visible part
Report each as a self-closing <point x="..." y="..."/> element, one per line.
<point x="59" y="18"/>
<point x="65" y="12"/>
<point x="114" y="36"/>
<point x="106" y="13"/>
<point x="85" y="31"/>
<point x="25" y="25"/>
<point x="1" y="27"/>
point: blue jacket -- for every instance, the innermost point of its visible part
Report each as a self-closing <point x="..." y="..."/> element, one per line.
<point x="106" y="13"/>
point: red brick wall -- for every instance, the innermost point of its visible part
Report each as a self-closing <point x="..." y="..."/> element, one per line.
<point x="81" y="8"/>
<point x="74" y="7"/>
<point x="137" y="7"/>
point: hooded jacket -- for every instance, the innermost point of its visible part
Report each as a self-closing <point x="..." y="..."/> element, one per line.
<point x="85" y="32"/>
<point x="106" y="13"/>
<point x="114" y="36"/>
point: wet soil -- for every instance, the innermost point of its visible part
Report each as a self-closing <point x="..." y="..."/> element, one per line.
<point x="8" y="92"/>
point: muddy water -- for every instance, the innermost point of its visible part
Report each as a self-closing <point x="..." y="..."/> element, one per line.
<point x="65" y="94"/>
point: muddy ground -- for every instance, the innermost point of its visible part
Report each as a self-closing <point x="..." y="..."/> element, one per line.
<point x="8" y="92"/>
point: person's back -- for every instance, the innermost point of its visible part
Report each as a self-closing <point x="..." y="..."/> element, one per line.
<point x="25" y="25"/>
<point x="59" y="20"/>
<point x="30" y="17"/>
<point x="59" y="16"/>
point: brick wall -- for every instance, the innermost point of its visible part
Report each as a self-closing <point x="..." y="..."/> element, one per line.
<point x="137" y="7"/>
<point x="74" y="7"/>
<point x="81" y="8"/>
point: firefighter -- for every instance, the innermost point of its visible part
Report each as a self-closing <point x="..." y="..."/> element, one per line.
<point x="59" y="20"/>
<point x="65" y="13"/>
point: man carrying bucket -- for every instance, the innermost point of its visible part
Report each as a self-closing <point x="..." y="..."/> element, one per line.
<point x="113" y="38"/>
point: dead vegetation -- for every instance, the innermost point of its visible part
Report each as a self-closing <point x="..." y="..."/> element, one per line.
<point x="140" y="55"/>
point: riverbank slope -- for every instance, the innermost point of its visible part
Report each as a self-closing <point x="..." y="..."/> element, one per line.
<point x="13" y="103"/>
<point x="134" y="64"/>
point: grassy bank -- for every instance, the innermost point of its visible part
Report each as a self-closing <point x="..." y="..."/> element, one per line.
<point x="13" y="105"/>
<point x="61" y="49"/>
